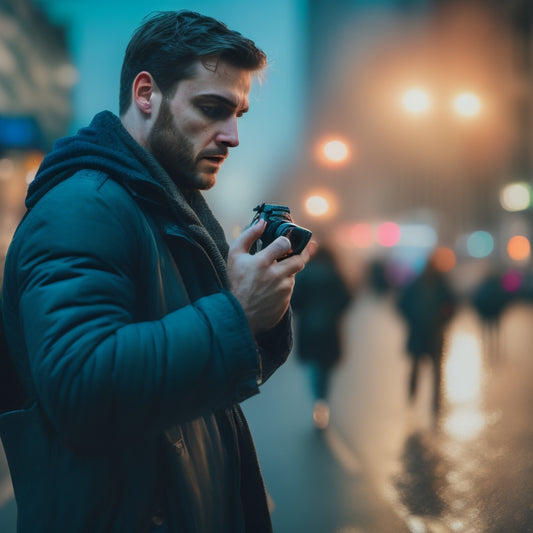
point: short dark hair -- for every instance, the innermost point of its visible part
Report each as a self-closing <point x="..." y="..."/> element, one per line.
<point x="168" y="43"/>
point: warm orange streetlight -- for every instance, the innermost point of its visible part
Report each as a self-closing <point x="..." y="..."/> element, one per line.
<point x="416" y="101"/>
<point x="519" y="248"/>
<point x="444" y="259"/>
<point x="335" y="151"/>
<point x="317" y="205"/>
<point x="467" y="104"/>
<point x="321" y="203"/>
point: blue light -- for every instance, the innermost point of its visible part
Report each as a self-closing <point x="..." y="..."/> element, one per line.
<point x="18" y="132"/>
<point x="480" y="244"/>
<point x="418" y="235"/>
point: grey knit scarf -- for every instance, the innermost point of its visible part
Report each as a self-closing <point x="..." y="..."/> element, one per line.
<point x="200" y="222"/>
<point x="190" y="210"/>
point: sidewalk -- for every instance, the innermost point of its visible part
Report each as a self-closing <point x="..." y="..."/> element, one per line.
<point x="318" y="482"/>
<point x="387" y="467"/>
<point x="471" y="471"/>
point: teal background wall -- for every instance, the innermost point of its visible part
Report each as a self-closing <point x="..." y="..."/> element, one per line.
<point x="98" y="32"/>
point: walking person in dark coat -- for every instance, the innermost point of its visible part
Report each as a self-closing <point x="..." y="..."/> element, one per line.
<point x="427" y="305"/>
<point x="319" y="300"/>
<point x="134" y="329"/>
<point x="490" y="299"/>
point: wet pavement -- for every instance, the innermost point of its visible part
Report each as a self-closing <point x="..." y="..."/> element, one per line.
<point x="473" y="472"/>
<point x="383" y="465"/>
<point x="397" y="467"/>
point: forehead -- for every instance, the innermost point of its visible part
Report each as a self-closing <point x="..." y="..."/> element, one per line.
<point x="218" y="77"/>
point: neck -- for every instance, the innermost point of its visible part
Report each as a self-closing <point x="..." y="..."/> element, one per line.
<point x="135" y="126"/>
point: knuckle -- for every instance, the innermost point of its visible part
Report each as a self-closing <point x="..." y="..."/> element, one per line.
<point x="297" y="264"/>
<point x="288" y="284"/>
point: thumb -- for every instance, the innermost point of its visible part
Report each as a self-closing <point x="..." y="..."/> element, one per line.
<point x="245" y="240"/>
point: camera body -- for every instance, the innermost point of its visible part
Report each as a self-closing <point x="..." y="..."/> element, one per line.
<point x="279" y="223"/>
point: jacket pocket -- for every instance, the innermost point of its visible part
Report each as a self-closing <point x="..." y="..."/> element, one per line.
<point x="28" y="452"/>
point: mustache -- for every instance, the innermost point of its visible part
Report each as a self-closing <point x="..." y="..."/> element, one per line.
<point x="220" y="152"/>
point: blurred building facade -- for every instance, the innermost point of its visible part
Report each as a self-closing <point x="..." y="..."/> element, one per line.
<point x="444" y="163"/>
<point x="36" y="77"/>
<point x="36" y="80"/>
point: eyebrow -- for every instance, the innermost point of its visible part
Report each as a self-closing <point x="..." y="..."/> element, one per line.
<point x="223" y="100"/>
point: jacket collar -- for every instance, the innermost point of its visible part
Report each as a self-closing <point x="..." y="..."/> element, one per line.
<point x="105" y="145"/>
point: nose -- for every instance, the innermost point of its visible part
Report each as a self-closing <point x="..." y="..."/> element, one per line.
<point x="228" y="135"/>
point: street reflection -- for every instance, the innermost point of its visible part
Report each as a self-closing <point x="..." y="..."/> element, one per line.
<point x="440" y="465"/>
<point x="465" y="424"/>
<point x="462" y="375"/>
<point x="462" y="386"/>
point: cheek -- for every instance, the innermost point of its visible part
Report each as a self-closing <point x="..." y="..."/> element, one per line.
<point x="200" y="126"/>
<point x="188" y="121"/>
<point x="194" y="128"/>
<point x="200" y="137"/>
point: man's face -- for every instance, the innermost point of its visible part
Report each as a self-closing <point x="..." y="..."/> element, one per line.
<point x="197" y="125"/>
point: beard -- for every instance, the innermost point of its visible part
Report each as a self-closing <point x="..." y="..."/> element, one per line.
<point x="174" y="152"/>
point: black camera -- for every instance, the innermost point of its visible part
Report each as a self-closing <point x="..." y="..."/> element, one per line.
<point x="279" y="223"/>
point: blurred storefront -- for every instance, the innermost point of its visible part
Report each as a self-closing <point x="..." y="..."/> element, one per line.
<point x="36" y="78"/>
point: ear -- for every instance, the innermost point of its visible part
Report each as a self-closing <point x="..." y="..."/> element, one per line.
<point x="144" y="87"/>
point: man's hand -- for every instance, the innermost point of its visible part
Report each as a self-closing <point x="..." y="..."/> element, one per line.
<point x="262" y="284"/>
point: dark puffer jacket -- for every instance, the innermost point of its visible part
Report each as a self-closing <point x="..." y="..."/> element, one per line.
<point x="132" y="352"/>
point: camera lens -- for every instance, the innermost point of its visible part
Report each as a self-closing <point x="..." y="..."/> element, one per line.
<point x="298" y="236"/>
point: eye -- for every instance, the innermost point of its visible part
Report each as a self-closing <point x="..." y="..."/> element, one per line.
<point x="215" y="112"/>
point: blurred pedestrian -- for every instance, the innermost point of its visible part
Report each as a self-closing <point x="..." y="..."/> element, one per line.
<point x="427" y="305"/>
<point x="319" y="300"/>
<point x="135" y="329"/>
<point x="490" y="300"/>
<point x="378" y="278"/>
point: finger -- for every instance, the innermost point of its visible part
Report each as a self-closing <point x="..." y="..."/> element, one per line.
<point x="295" y="263"/>
<point x="245" y="240"/>
<point x="291" y="266"/>
<point x="309" y="251"/>
<point x="278" y="249"/>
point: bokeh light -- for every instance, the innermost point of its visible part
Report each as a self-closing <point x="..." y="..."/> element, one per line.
<point x="480" y="244"/>
<point x="519" y="248"/>
<point x="516" y="196"/>
<point x="321" y="202"/>
<point x="333" y="151"/>
<point x="31" y="165"/>
<point x="388" y="234"/>
<point x="467" y="104"/>
<point x="7" y="169"/>
<point x="416" y="101"/>
<point x="362" y="235"/>
<point x="418" y="235"/>
<point x="444" y="259"/>
<point x="336" y="151"/>
<point x="317" y="205"/>
<point x="512" y="280"/>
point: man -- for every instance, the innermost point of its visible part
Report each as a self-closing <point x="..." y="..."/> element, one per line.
<point x="319" y="301"/>
<point x="427" y="304"/>
<point x="133" y="336"/>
